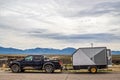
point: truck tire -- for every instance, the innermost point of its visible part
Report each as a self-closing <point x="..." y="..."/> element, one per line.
<point x="49" y="68"/>
<point x="92" y="69"/>
<point x="15" y="68"/>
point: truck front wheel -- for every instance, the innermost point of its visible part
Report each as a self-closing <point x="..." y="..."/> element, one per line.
<point x="15" y="68"/>
<point x="49" y="68"/>
<point x="93" y="69"/>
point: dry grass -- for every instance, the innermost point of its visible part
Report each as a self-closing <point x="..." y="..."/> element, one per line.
<point x="115" y="68"/>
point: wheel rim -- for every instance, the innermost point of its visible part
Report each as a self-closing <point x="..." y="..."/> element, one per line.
<point x="93" y="70"/>
<point x="48" y="68"/>
<point x="15" y="68"/>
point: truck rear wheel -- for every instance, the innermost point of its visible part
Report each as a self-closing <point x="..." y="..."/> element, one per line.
<point x="15" y="68"/>
<point x="49" y="68"/>
<point x="93" y="69"/>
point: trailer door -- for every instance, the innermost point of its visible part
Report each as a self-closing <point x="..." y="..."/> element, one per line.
<point x="109" y="57"/>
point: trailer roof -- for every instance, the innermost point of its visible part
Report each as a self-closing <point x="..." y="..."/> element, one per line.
<point x="87" y="48"/>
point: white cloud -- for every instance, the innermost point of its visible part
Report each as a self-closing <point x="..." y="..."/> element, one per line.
<point x="41" y="23"/>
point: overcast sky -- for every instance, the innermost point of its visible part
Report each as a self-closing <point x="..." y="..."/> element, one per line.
<point x="59" y="23"/>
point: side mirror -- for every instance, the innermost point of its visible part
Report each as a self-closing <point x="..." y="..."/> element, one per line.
<point x="23" y="59"/>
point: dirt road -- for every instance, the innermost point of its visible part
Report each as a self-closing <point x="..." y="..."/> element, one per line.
<point x="59" y="76"/>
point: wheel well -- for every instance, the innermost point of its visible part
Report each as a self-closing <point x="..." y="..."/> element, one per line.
<point x="48" y="64"/>
<point x="14" y="64"/>
<point x="91" y="67"/>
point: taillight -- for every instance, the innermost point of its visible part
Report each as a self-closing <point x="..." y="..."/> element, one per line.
<point x="60" y="62"/>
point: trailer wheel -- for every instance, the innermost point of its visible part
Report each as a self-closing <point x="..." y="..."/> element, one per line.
<point x="93" y="69"/>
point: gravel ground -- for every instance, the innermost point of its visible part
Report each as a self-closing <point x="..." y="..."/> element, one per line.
<point x="59" y="76"/>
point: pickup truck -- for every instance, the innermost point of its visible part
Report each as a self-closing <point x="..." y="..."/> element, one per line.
<point x="36" y="62"/>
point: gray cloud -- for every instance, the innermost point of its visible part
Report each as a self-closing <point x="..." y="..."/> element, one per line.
<point x="101" y="9"/>
<point x="7" y="27"/>
<point x="100" y="37"/>
<point x="37" y="31"/>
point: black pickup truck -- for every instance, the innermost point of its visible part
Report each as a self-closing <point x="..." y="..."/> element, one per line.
<point x="37" y="62"/>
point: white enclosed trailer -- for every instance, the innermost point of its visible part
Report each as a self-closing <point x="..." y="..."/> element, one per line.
<point x="92" y="58"/>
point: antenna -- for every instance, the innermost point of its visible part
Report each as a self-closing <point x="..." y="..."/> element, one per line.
<point x="91" y="44"/>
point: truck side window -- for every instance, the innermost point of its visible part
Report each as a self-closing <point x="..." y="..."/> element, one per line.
<point x="37" y="58"/>
<point x="46" y="58"/>
<point x="29" y="58"/>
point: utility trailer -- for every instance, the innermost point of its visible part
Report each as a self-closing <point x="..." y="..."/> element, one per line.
<point x="91" y="58"/>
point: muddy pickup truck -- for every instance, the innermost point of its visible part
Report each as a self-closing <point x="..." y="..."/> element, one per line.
<point x="36" y="62"/>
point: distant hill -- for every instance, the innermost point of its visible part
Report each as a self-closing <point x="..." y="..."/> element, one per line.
<point x="116" y="52"/>
<point x="66" y="51"/>
<point x="50" y="51"/>
<point x="10" y="50"/>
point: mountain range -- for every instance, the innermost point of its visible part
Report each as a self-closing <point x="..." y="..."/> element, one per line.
<point x="66" y="51"/>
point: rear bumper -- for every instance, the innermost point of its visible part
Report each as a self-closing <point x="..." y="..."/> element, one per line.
<point x="59" y="67"/>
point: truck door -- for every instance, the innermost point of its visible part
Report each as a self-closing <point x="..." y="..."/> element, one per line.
<point x="28" y="61"/>
<point x="38" y="61"/>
